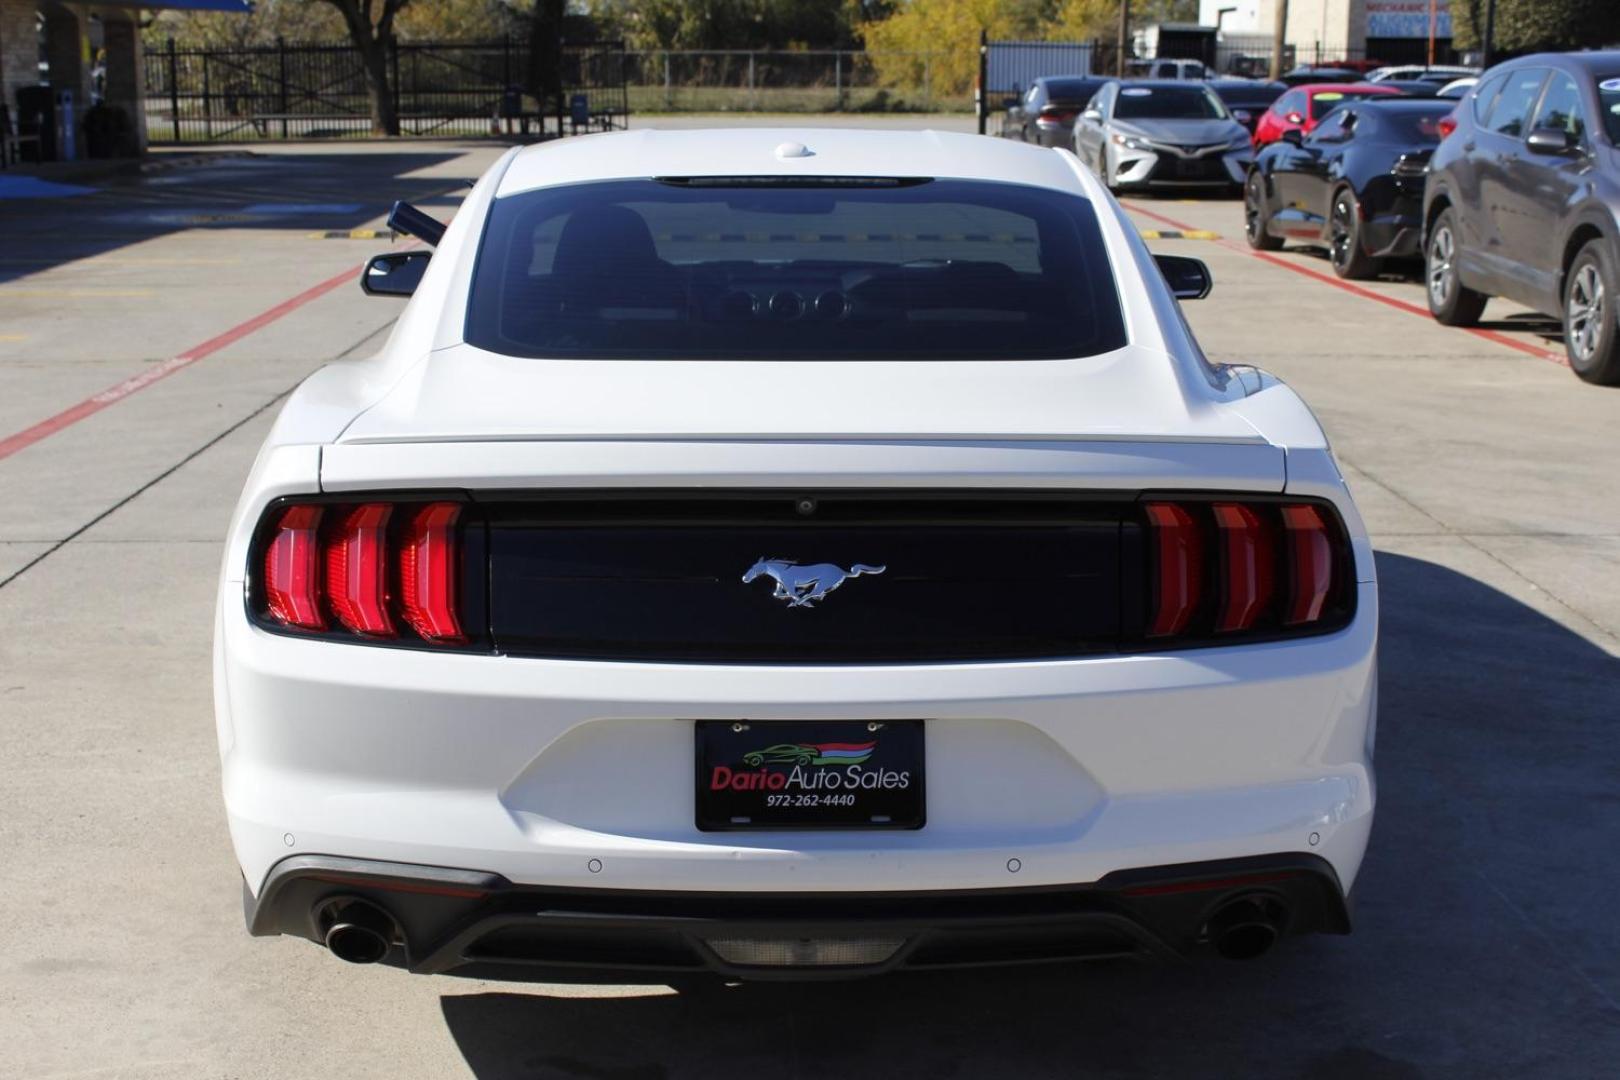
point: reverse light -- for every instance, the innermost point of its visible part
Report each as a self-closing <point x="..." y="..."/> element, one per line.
<point x="292" y="578"/>
<point x="1247" y="557"/>
<point x="428" y="567"/>
<point x="1179" y="559"/>
<point x="1310" y="564"/>
<point x="357" y="570"/>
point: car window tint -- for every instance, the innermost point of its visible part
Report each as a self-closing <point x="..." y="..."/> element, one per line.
<point x="1609" y="104"/>
<point x="1561" y="107"/>
<point x="1512" y="107"/>
<point x="1415" y="127"/>
<point x="1330" y="130"/>
<point x="1292" y="102"/>
<point x="1485" y="96"/>
<point x="751" y="268"/>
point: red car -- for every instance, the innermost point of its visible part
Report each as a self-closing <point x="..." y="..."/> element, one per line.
<point x="1300" y="108"/>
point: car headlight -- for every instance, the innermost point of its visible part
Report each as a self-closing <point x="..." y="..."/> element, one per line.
<point x="1131" y="142"/>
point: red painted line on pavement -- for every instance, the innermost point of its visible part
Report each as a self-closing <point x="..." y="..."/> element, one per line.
<point x="1369" y="294"/>
<point x="96" y="402"/>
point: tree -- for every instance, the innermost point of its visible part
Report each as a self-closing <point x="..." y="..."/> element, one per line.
<point x="1524" y="26"/>
<point x="371" y="29"/>
<point x="294" y="20"/>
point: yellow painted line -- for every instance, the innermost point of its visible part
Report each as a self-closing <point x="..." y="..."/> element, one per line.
<point x="13" y="337"/>
<point x="1177" y="234"/>
<point x="73" y="294"/>
<point x="350" y="234"/>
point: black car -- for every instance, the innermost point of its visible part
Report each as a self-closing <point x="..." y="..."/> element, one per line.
<point x="1247" y="99"/>
<point x="1523" y="201"/>
<point x="1045" y="114"/>
<point x="1354" y="183"/>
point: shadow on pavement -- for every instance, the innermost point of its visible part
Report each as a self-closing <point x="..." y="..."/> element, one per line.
<point x="279" y="190"/>
<point x="1487" y="940"/>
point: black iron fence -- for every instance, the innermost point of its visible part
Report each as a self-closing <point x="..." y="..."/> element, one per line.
<point x="313" y="91"/>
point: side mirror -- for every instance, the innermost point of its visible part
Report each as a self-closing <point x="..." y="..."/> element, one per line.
<point x="1189" y="278"/>
<point x="1091" y="114"/>
<point x="1550" y="140"/>
<point x="394" y="274"/>
<point x="1293" y="137"/>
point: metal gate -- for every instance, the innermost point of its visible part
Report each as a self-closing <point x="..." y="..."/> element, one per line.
<point x="287" y="91"/>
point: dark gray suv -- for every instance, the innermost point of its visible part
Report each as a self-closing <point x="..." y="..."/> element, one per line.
<point x="1523" y="201"/>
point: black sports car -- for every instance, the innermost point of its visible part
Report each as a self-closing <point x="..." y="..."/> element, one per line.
<point x="1354" y="183"/>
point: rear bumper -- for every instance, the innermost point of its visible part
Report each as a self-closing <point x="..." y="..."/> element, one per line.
<point x="482" y="925"/>
<point x="578" y="774"/>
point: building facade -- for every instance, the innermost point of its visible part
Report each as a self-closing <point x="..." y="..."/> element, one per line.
<point x="1394" y="31"/>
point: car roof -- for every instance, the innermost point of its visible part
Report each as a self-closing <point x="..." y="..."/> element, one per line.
<point x="1396" y="103"/>
<point x="1160" y="84"/>
<point x="1592" y="62"/>
<point x="1312" y="89"/>
<point x="650" y="152"/>
<point x="1098" y="79"/>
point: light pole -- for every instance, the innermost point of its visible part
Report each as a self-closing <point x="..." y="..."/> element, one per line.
<point x="1124" y="22"/>
<point x="1279" y="33"/>
<point x="1490" y="32"/>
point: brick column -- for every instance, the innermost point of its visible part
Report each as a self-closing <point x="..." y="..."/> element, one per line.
<point x="19" y="49"/>
<point x="125" y="84"/>
<point x="65" y="46"/>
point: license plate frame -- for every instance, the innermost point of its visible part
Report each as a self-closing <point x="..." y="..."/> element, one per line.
<point x="884" y="759"/>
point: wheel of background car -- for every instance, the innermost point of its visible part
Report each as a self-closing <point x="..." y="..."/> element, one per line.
<point x="1255" y="218"/>
<point x="1349" y="258"/>
<point x="1450" y="302"/>
<point x="1591" y="336"/>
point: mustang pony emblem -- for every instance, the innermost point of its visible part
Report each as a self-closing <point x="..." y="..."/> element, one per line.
<point x="802" y="586"/>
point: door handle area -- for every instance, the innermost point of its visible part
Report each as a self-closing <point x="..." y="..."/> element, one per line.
<point x="1469" y="146"/>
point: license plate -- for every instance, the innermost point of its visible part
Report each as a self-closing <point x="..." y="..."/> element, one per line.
<point x="812" y="774"/>
<point x="1191" y="168"/>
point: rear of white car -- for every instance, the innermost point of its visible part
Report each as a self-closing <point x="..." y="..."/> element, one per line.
<point x="865" y="606"/>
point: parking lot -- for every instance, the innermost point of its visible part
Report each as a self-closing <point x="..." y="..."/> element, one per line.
<point x="148" y="330"/>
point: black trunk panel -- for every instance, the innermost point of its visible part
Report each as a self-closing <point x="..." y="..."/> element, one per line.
<point x="661" y="578"/>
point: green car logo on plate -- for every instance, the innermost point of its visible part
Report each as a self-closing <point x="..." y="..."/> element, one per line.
<point x="832" y="753"/>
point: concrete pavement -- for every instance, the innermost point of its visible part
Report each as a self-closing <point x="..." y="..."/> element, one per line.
<point x="1486" y="933"/>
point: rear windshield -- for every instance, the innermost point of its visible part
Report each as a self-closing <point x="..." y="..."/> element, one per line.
<point x="1326" y="102"/>
<point x="826" y="269"/>
<point x="1168" y="103"/>
<point x="1409" y="125"/>
<point x="1609" y="105"/>
<point x="1077" y="91"/>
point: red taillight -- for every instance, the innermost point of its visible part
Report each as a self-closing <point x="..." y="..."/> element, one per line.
<point x="1247" y="558"/>
<point x="1050" y="115"/>
<point x="292" y="579"/>
<point x="348" y="570"/>
<point x="1274" y="567"/>
<point x="1179" y="557"/>
<point x="428" y="569"/>
<point x="357" y="570"/>
<point x="1448" y="124"/>
<point x="1310" y="564"/>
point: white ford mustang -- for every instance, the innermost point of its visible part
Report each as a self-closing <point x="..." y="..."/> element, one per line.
<point x="793" y="554"/>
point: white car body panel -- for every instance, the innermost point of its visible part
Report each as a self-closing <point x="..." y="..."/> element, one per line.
<point x="503" y="764"/>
